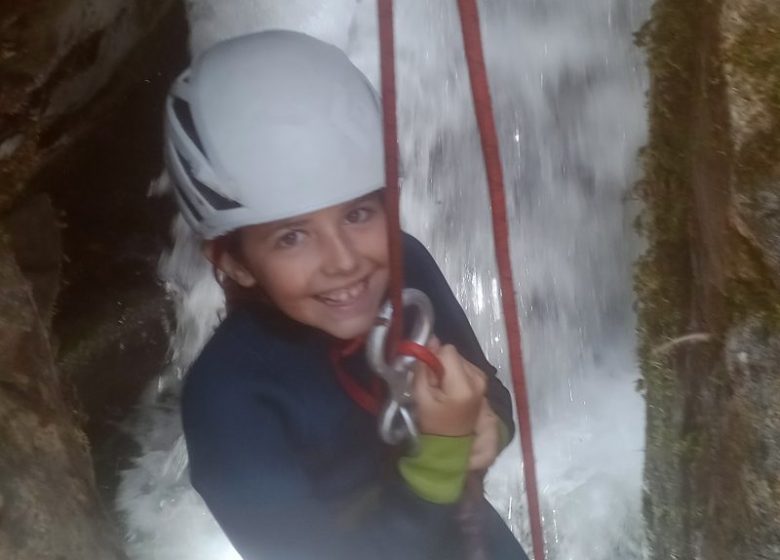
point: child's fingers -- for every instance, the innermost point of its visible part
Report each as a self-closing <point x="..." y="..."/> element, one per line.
<point x="456" y="382"/>
<point x="477" y="377"/>
<point x="422" y="371"/>
<point x="482" y="456"/>
<point x="466" y="379"/>
<point x="425" y="394"/>
<point x="487" y="441"/>
<point x="451" y="408"/>
<point x="434" y="344"/>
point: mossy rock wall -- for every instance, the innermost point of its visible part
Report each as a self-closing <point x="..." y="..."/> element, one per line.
<point x="82" y="315"/>
<point x="56" y="58"/>
<point x="709" y="284"/>
<point x="48" y="504"/>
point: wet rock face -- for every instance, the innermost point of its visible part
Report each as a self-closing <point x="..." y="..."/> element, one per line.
<point x="38" y="250"/>
<point x="751" y="420"/>
<point x="55" y="56"/>
<point x="750" y="425"/>
<point x="751" y="43"/>
<point x="757" y="218"/>
<point x="712" y="270"/>
<point x="81" y="89"/>
<point x="49" y="507"/>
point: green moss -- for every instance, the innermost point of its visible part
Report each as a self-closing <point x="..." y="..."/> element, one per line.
<point x="688" y="389"/>
<point x="664" y="276"/>
<point x="661" y="276"/>
<point x="751" y="290"/>
<point x="752" y="57"/>
<point x="689" y="460"/>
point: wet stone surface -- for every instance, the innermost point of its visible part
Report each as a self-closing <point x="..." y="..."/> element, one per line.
<point x="711" y="270"/>
<point x="83" y="319"/>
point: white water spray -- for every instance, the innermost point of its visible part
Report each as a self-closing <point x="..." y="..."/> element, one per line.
<point x="567" y="87"/>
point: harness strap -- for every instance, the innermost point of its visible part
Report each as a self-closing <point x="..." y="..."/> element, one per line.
<point x="369" y="399"/>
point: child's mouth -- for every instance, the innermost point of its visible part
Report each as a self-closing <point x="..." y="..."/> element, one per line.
<point x="344" y="297"/>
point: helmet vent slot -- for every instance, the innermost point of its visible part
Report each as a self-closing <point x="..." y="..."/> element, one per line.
<point x="183" y="113"/>
<point x="216" y="200"/>
<point x="183" y="196"/>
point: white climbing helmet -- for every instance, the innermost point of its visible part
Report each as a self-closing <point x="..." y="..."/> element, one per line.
<point x="269" y="126"/>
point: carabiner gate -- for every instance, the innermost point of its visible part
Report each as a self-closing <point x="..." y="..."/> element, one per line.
<point x="396" y="422"/>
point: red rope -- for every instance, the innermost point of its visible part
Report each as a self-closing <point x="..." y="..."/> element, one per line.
<point x="387" y="58"/>
<point x="469" y="518"/>
<point x="409" y="348"/>
<point x="483" y="107"/>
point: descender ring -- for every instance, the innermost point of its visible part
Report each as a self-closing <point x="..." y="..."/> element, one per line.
<point x="421" y="333"/>
<point x="396" y="422"/>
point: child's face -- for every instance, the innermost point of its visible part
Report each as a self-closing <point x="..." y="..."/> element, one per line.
<point x="327" y="269"/>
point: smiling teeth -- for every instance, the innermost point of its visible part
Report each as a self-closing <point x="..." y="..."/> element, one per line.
<point x="345" y="295"/>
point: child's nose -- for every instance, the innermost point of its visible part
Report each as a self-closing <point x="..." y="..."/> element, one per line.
<point x="340" y="255"/>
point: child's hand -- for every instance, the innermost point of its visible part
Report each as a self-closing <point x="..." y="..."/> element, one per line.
<point x="452" y="407"/>
<point x="487" y="440"/>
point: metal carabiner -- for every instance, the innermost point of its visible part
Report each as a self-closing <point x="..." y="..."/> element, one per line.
<point x="397" y="425"/>
<point x="396" y="422"/>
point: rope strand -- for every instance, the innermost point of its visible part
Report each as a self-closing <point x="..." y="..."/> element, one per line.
<point x="483" y="107"/>
<point x="387" y="60"/>
<point x="470" y="520"/>
<point x="469" y="517"/>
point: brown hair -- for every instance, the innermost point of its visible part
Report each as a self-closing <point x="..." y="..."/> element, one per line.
<point x="236" y="295"/>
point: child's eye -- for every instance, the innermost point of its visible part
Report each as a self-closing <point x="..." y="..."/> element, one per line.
<point x="289" y="239"/>
<point x="359" y="215"/>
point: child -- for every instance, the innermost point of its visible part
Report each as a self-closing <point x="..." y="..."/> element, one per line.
<point x="274" y="141"/>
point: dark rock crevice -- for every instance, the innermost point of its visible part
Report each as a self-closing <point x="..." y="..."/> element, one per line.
<point x="83" y="319"/>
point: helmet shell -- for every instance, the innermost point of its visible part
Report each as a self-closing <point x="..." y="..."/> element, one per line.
<point x="269" y="126"/>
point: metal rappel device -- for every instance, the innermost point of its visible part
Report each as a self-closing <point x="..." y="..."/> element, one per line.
<point x="397" y="422"/>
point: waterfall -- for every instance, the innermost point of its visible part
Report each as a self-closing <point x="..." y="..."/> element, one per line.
<point x="568" y="86"/>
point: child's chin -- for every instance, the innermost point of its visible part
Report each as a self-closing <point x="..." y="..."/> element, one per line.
<point x="350" y="329"/>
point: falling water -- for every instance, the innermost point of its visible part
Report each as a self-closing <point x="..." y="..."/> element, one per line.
<point x="567" y="85"/>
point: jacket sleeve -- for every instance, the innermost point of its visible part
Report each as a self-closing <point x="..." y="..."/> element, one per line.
<point x="452" y="326"/>
<point x="245" y="468"/>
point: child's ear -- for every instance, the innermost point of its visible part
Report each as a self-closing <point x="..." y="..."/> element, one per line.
<point x="228" y="265"/>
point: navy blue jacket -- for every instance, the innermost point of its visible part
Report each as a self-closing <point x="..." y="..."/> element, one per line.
<point x="293" y="469"/>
